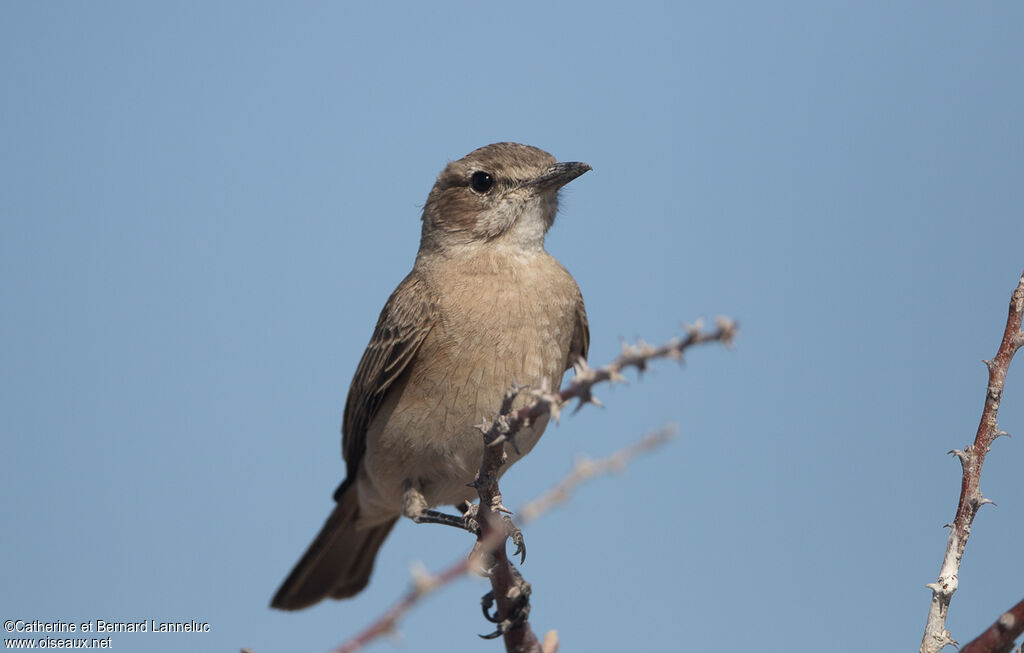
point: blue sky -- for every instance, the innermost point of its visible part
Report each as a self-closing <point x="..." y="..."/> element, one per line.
<point x="205" y="205"/>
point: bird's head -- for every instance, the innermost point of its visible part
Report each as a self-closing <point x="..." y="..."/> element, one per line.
<point x="504" y="192"/>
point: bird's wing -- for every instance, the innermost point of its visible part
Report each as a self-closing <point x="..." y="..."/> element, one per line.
<point x="405" y="321"/>
<point x="581" y="333"/>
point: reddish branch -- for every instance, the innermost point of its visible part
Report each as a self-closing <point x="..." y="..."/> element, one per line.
<point x="972" y="458"/>
<point x="1000" y="635"/>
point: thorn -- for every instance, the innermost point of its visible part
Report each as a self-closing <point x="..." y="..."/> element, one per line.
<point x="501" y="508"/>
<point x="586" y="398"/>
<point x="422" y="580"/>
<point x="1006" y="621"/>
<point x="478" y="563"/>
<point x="984" y="500"/>
<point x="583" y="466"/>
<point x="675" y="353"/>
<point x="615" y="375"/>
<point x="551" y="401"/>
<point x="556" y="411"/>
<point x="510" y="396"/>
<point x="483" y="426"/>
<point x="962" y="456"/>
<point x="948" y="525"/>
<point x="728" y="329"/>
<point x="498" y="440"/>
<point x="1000" y="434"/>
<point x="511" y="438"/>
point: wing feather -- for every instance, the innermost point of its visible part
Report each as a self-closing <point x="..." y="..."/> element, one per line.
<point x="581" y="334"/>
<point x="404" y="323"/>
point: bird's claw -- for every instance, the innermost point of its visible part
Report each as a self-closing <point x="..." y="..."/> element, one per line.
<point x="469" y="517"/>
<point x="520" y="610"/>
<point x="486" y="602"/>
<point x="469" y="512"/>
<point x="516" y="536"/>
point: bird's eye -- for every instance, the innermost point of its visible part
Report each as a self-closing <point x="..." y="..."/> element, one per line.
<point x="481" y="181"/>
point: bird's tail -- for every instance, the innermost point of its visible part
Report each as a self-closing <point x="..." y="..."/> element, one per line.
<point x="339" y="561"/>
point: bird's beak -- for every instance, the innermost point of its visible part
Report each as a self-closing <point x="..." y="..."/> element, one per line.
<point x="558" y="175"/>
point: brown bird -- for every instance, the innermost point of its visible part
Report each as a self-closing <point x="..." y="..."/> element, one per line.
<point x="485" y="307"/>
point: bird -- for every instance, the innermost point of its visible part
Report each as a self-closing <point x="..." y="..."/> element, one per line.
<point x="485" y="308"/>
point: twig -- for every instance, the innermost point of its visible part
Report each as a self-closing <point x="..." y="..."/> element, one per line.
<point x="1000" y="635"/>
<point x="586" y="469"/>
<point x="506" y="584"/>
<point x="425" y="583"/>
<point x="936" y="636"/>
<point x="510" y="422"/>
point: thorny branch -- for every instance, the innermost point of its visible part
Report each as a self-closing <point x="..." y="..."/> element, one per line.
<point x="506" y="583"/>
<point x="936" y="636"/>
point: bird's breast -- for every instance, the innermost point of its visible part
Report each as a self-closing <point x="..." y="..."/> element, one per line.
<point x="501" y="322"/>
<point x="504" y="320"/>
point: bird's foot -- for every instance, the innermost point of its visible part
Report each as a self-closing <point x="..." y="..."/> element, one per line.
<point x="519" y="594"/>
<point x="438" y="517"/>
<point x="516" y="535"/>
<point x="414" y="506"/>
<point x="512" y="531"/>
<point x="469" y="512"/>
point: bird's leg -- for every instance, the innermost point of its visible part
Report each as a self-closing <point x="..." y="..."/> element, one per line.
<point x="516" y="536"/>
<point x="414" y="506"/>
<point x="512" y="531"/>
<point x="469" y="511"/>
<point x="520" y="596"/>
